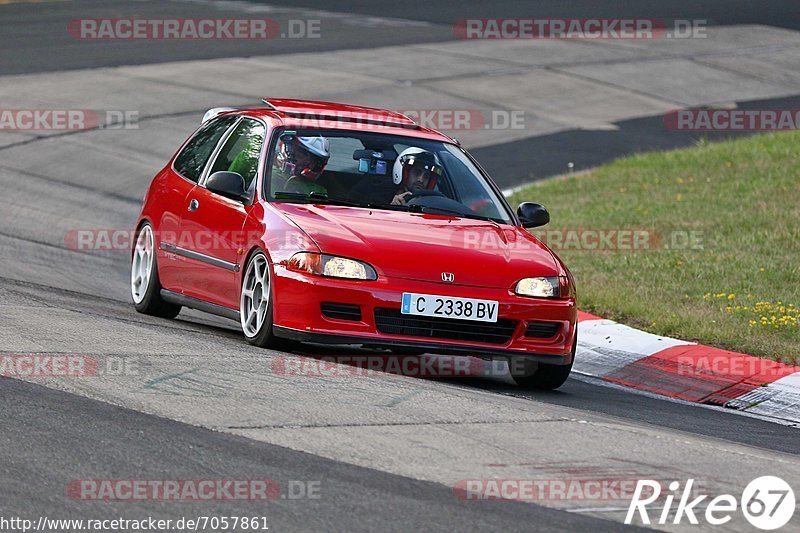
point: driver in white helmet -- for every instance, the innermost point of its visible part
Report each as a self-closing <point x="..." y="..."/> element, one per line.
<point x="301" y="160"/>
<point x="414" y="170"/>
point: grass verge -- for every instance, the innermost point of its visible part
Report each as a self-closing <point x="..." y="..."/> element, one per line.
<point x="717" y="228"/>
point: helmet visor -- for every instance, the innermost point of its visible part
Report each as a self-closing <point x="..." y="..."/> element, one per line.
<point x="424" y="161"/>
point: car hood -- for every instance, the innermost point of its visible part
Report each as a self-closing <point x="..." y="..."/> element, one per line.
<point x="422" y="246"/>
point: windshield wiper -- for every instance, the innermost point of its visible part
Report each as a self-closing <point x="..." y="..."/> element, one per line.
<point x="316" y="196"/>
<point x="432" y="209"/>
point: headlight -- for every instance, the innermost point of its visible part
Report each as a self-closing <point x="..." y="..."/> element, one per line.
<point x="331" y="266"/>
<point x="538" y="287"/>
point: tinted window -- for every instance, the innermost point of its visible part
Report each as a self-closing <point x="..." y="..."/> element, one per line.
<point x="192" y="159"/>
<point x="242" y="150"/>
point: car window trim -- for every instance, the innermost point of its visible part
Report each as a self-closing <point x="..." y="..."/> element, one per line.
<point x="183" y="147"/>
<point x="492" y="185"/>
<point x="270" y="144"/>
<point x="221" y="144"/>
<point x="217" y="149"/>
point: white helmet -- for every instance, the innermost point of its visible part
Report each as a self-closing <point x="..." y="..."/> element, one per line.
<point x="418" y="157"/>
<point x="319" y="146"/>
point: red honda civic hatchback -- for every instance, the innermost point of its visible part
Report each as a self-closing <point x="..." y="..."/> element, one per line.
<point x="339" y="224"/>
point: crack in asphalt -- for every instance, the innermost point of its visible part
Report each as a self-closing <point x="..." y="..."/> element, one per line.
<point x="94" y="190"/>
<point x="75" y="294"/>
<point x="97" y="128"/>
<point x="45" y="243"/>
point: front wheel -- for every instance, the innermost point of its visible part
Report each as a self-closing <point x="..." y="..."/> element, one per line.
<point x="145" y="284"/>
<point x="541" y="376"/>
<point x="255" y="305"/>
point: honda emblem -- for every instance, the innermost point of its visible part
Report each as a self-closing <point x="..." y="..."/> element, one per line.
<point x="448" y="277"/>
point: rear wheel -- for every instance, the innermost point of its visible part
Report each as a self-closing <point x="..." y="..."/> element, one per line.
<point x="541" y="376"/>
<point x="145" y="285"/>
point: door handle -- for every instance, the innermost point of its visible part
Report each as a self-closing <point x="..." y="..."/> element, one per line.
<point x="193" y="205"/>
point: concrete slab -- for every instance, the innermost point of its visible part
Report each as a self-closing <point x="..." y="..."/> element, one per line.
<point x="245" y="81"/>
<point x="558" y="97"/>
<point x="725" y="40"/>
<point x="72" y="159"/>
<point x="11" y="137"/>
<point x="479" y="123"/>
<point x="538" y="52"/>
<point x="682" y="82"/>
<point x="392" y="63"/>
<point x="778" y="66"/>
<point x="101" y="90"/>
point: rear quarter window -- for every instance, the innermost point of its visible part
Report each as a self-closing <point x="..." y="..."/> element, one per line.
<point x="194" y="156"/>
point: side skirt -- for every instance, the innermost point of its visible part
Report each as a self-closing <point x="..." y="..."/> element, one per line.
<point x="200" y="305"/>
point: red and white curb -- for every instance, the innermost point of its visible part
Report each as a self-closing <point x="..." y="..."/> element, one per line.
<point x="679" y="369"/>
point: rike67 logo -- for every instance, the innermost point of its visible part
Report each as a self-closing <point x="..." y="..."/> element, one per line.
<point x="767" y="502"/>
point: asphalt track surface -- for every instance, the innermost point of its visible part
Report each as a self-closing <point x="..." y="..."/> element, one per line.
<point x="34" y="40"/>
<point x="41" y="454"/>
<point x="234" y="421"/>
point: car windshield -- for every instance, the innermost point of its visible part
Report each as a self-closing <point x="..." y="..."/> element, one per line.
<point x="379" y="171"/>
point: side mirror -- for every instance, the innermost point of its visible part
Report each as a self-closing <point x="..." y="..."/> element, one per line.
<point x="532" y="215"/>
<point x="228" y="184"/>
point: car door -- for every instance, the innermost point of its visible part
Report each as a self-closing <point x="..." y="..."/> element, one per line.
<point x="181" y="178"/>
<point x="214" y="225"/>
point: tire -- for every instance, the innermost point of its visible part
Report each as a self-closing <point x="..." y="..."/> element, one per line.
<point x="257" y="285"/>
<point x="145" y="283"/>
<point x="545" y="376"/>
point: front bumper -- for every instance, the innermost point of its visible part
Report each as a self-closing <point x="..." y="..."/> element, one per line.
<point x="297" y="315"/>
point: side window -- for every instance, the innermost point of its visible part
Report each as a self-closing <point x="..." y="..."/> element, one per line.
<point x="241" y="151"/>
<point x="192" y="159"/>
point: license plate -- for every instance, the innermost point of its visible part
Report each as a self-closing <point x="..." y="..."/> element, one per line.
<point x="449" y="307"/>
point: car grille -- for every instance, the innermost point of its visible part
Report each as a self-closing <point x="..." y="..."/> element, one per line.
<point x="341" y="311"/>
<point x="542" y="330"/>
<point x="393" y="322"/>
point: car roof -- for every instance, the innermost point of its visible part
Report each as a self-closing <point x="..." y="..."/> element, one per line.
<point x="300" y="114"/>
